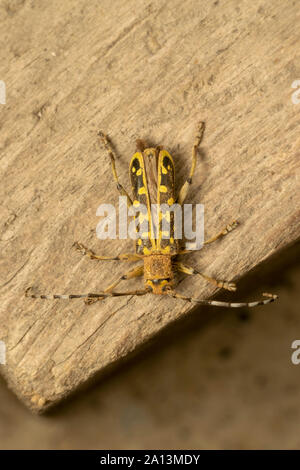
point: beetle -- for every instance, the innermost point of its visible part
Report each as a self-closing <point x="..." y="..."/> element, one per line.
<point x="152" y="174"/>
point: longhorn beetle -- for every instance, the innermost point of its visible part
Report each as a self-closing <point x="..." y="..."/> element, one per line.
<point x="152" y="176"/>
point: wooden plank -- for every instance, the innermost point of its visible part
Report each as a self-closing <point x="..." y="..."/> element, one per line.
<point x="135" y="70"/>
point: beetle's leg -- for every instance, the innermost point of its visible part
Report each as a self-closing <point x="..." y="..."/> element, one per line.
<point x="99" y="296"/>
<point x="221" y="234"/>
<point x="215" y="303"/>
<point x="185" y="188"/>
<point x="122" y="257"/>
<point x="104" y="140"/>
<point x="135" y="272"/>
<point x="192" y="271"/>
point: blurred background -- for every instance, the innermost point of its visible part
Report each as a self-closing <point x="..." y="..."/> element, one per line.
<point x="219" y="378"/>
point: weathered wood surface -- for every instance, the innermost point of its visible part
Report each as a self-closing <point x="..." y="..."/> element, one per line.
<point x="135" y="69"/>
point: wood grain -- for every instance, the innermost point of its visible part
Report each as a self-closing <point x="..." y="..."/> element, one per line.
<point x="135" y="69"/>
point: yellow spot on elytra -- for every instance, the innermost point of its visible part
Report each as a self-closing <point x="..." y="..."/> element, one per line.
<point x="166" y="216"/>
<point x="169" y="167"/>
<point x="136" y="203"/>
<point x="164" y="233"/>
<point x="139" y="172"/>
<point x="163" y="189"/>
<point x="164" y="170"/>
<point x="143" y="217"/>
<point x="133" y="169"/>
<point x="139" y="241"/>
<point x="142" y="190"/>
<point x="170" y="201"/>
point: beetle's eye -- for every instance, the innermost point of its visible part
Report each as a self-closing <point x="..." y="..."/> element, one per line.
<point x="166" y="287"/>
